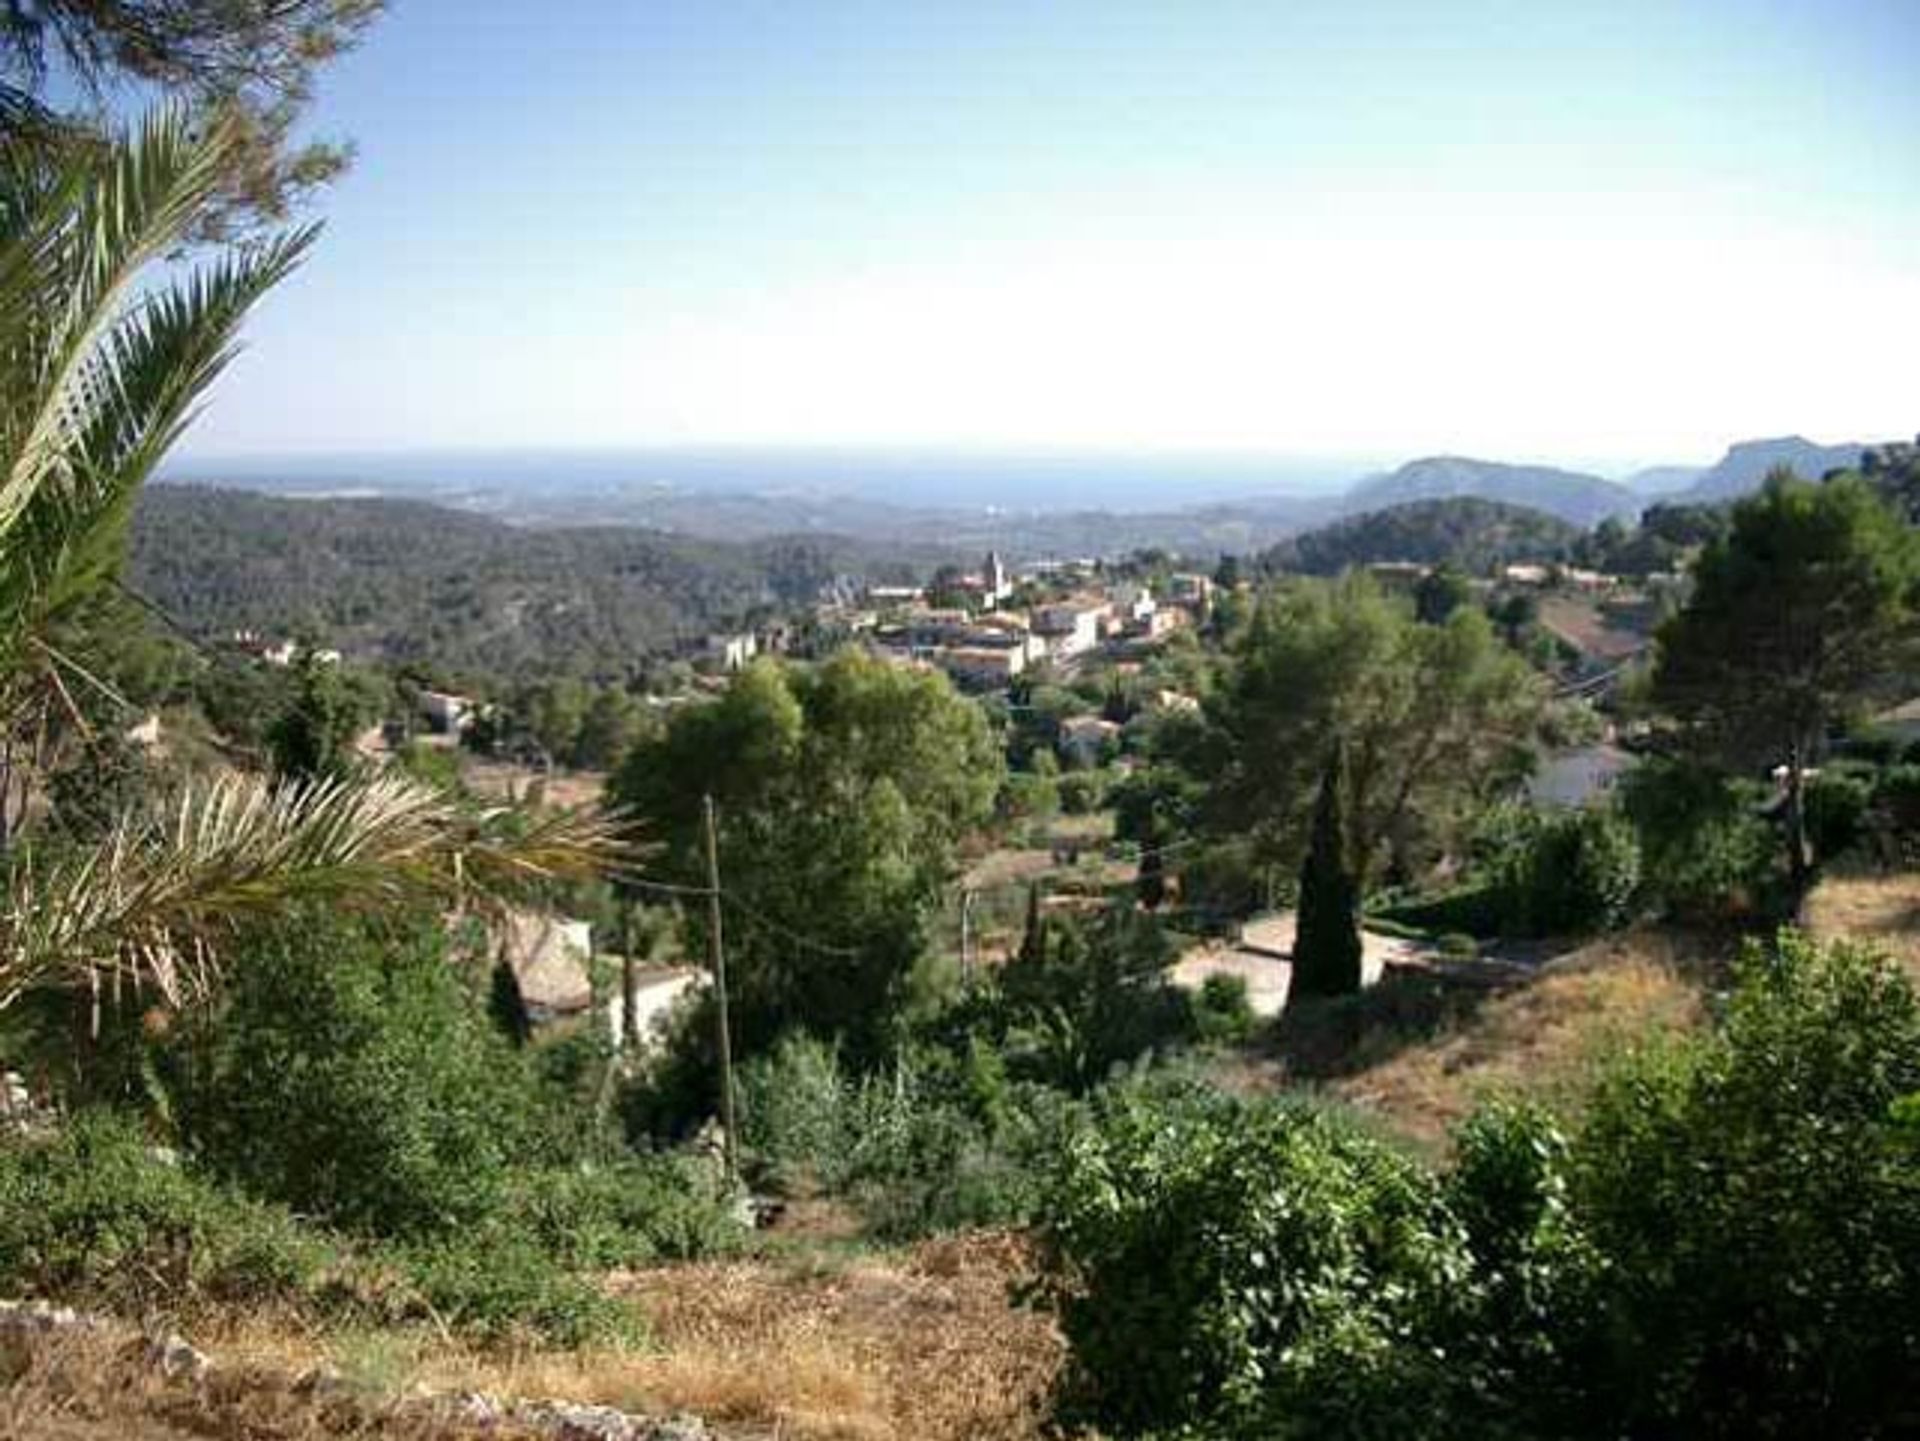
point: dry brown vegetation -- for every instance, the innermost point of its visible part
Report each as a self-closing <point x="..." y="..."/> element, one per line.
<point x="1417" y="1054"/>
<point x="1879" y="910"/>
<point x="99" y="1386"/>
<point x="925" y="1344"/>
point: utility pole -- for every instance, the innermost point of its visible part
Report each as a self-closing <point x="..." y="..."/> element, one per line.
<point x="966" y="939"/>
<point x="717" y="960"/>
<point x="629" y="982"/>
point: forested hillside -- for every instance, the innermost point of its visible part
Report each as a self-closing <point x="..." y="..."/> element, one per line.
<point x="1464" y="530"/>
<point x="405" y="581"/>
<point x="1572" y="495"/>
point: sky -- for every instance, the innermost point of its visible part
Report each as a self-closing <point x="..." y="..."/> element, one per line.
<point x="1608" y="234"/>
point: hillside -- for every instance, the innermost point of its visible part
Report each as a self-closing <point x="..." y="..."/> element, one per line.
<point x="1466" y="531"/>
<point x="1660" y="480"/>
<point x="1746" y="464"/>
<point x="403" y="581"/>
<point x="1583" y="500"/>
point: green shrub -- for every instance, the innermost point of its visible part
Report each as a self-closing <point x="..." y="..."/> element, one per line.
<point x="1569" y="873"/>
<point x="1081" y="792"/>
<point x="1758" y="1206"/>
<point x="626" y="1213"/>
<point x="350" y="1075"/>
<point x="501" y="1286"/>
<point x="1729" y="1247"/>
<point x="1458" y="945"/>
<point x="1221" y="1011"/>
<point x="1706" y="851"/>
<point x="940" y="1141"/>
<point x="1245" y="1271"/>
<point x="92" y="1211"/>
<point x="1837" y="804"/>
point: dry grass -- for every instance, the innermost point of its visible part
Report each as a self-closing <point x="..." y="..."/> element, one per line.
<point x="1544" y="1038"/>
<point x="924" y="1345"/>
<point x="1879" y="910"/>
<point x="98" y="1386"/>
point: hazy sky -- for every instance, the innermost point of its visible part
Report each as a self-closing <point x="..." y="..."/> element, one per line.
<point x="1585" y="231"/>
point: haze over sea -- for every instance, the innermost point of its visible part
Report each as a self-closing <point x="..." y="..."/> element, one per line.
<point x="919" y="479"/>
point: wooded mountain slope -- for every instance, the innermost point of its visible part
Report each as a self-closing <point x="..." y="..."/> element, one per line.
<point x="406" y="581"/>
<point x="1465" y="530"/>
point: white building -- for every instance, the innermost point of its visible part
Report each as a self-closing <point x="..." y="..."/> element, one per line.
<point x="732" y="652"/>
<point x="548" y="956"/>
<point x="1071" y="627"/>
<point x="1571" y="779"/>
<point x="657" y="991"/>
<point x="447" y="714"/>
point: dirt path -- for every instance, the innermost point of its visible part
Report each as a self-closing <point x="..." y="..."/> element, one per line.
<point x="1262" y="959"/>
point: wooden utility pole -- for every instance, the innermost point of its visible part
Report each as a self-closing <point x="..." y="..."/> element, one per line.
<point x="966" y="939"/>
<point x="717" y="960"/>
<point x="629" y="982"/>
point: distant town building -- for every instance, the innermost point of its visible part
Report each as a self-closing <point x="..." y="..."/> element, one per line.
<point x="658" y="990"/>
<point x="1085" y="740"/>
<point x="1570" y="779"/>
<point x="732" y="652"/>
<point x="1071" y="627"/>
<point x="445" y="713"/>
<point x="548" y="956"/>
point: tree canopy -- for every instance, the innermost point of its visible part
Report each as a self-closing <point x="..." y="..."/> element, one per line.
<point x="1804" y="609"/>
<point x="840" y="791"/>
<point x="1432" y="716"/>
<point x="251" y="60"/>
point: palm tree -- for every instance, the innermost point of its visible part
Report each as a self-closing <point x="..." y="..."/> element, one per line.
<point x="107" y="347"/>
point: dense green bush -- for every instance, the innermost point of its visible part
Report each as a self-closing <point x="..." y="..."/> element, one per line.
<point x="1081" y="792"/>
<point x="1706" y="851"/>
<point x="352" y="1076"/>
<point x="1760" y="1210"/>
<point x="501" y="1286"/>
<point x="1569" y="873"/>
<point x="1237" y="1271"/>
<point x="1728" y="1247"/>
<point x="94" y="1211"/>
<point x="1222" y="1014"/>
<point x="1086" y="995"/>
<point x="942" y="1140"/>
<point x="628" y="1212"/>
<point x="1837" y="805"/>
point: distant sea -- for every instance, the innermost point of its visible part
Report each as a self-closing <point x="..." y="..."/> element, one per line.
<point x="923" y="479"/>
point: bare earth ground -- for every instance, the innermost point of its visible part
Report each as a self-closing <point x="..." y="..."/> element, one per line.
<point x="501" y="781"/>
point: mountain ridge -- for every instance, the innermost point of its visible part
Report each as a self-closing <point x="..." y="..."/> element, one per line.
<point x="1573" y="496"/>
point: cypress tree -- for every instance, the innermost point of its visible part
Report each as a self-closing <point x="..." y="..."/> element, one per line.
<point x="1151" y="885"/>
<point x="1326" y="947"/>
<point x="1033" y="945"/>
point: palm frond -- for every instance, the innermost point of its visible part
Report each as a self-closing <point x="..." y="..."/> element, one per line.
<point x="160" y="898"/>
<point x="94" y="388"/>
<point x="100" y="221"/>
